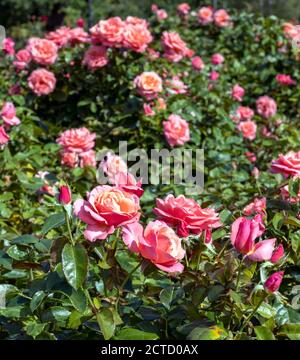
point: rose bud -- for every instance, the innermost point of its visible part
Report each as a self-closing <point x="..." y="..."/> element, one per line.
<point x="273" y="282"/>
<point x="64" y="196"/>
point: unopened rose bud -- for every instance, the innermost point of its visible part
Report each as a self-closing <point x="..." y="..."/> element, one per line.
<point x="273" y="282"/>
<point x="64" y="195"/>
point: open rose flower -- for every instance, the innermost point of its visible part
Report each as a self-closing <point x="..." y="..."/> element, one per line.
<point x="197" y="63"/>
<point x="42" y="82"/>
<point x="205" y="15"/>
<point x="128" y="183"/>
<point x="105" y="209"/>
<point x="266" y="106"/>
<point x="217" y="59"/>
<point x="108" y="32"/>
<point x="43" y="51"/>
<point x="22" y="59"/>
<point x="4" y="138"/>
<point x="78" y="36"/>
<point x="8" y="46"/>
<point x="243" y="234"/>
<point x="244" y="113"/>
<point x="148" y="84"/>
<point x="186" y="215"/>
<point x="69" y="159"/>
<point x="174" y="47"/>
<point x="112" y="165"/>
<point x="95" y="57"/>
<point x="157" y="243"/>
<point x="288" y="165"/>
<point x="286" y="80"/>
<point x="248" y="129"/>
<point x="176" y="130"/>
<point x="257" y="206"/>
<point x="60" y="36"/>
<point x="77" y="140"/>
<point x="176" y="86"/>
<point x="136" y="37"/>
<point x="222" y="18"/>
<point x="8" y="114"/>
<point x="87" y="158"/>
<point x="237" y="92"/>
<point x="183" y="9"/>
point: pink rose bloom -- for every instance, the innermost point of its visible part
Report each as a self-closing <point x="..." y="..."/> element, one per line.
<point x="283" y="79"/>
<point x="128" y="183"/>
<point x="152" y="54"/>
<point x="4" y="138"/>
<point x="148" y="111"/>
<point x="8" y="114"/>
<point x="161" y="104"/>
<point x="176" y="86"/>
<point x="60" y="36"/>
<point x="77" y="140"/>
<point x="43" y="51"/>
<point x="273" y="282"/>
<point x="105" y="209"/>
<point x="288" y="165"/>
<point x="278" y="254"/>
<point x="95" y="57"/>
<point x="237" y="92"/>
<point x="257" y="206"/>
<point x="22" y="59"/>
<point x="80" y="22"/>
<point x="266" y="106"/>
<point x="157" y="243"/>
<point x="87" y="158"/>
<point x="290" y="30"/>
<point x="154" y="8"/>
<point x="69" y="159"/>
<point x="197" y="63"/>
<point x="222" y="18"/>
<point x="205" y="15"/>
<point x="148" y="84"/>
<point x="244" y="113"/>
<point x="112" y="165"/>
<point x="174" y="47"/>
<point x="186" y="215"/>
<point x="78" y="36"/>
<point x="183" y="9"/>
<point x="108" y="32"/>
<point x="243" y="235"/>
<point x="161" y="14"/>
<point x="8" y="46"/>
<point x="64" y="196"/>
<point x="217" y="59"/>
<point x="214" y="76"/>
<point x="250" y="156"/>
<point x="133" y="20"/>
<point x="248" y="129"/>
<point x="176" y="130"/>
<point x="136" y="37"/>
<point x="42" y="82"/>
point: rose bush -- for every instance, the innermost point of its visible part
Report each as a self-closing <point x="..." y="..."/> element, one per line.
<point x="82" y="259"/>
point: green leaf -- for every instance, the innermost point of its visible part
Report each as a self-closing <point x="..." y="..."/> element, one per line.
<point x="292" y="331"/>
<point x="135" y="334"/>
<point x="106" y="322"/>
<point x="36" y="300"/>
<point x="166" y="296"/>
<point x="53" y="222"/>
<point x="203" y="333"/>
<point x="75" y="264"/>
<point x="263" y="333"/>
<point x="25" y="239"/>
<point x="78" y="300"/>
<point x="15" y="253"/>
<point x="34" y="329"/>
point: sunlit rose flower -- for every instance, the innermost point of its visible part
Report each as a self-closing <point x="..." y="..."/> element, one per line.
<point x="43" y="51"/>
<point x="217" y="59"/>
<point x="237" y="92"/>
<point x="60" y="36"/>
<point x="161" y="104"/>
<point x="69" y="159"/>
<point x="132" y="20"/>
<point x="176" y="130"/>
<point x="105" y="209"/>
<point x="244" y="113"/>
<point x="95" y="57"/>
<point x="128" y="183"/>
<point x="286" y="80"/>
<point x="161" y="14"/>
<point x="112" y="165"/>
<point x="87" y="158"/>
<point x="22" y="59"/>
<point x="290" y="30"/>
<point x="186" y="215"/>
<point x="157" y="243"/>
<point x="257" y="206"/>
<point x="77" y="140"/>
<point x="266" y="106"/>
<point x="288" y="165"/>
<point x="8" y="114"/>
<point x="108" y="32"/>
<point x="148" y="111"/>
<point x="78" y="36"/>
<point x="176" y="86"/>
<point x="214" y="75"/>
<point x="248" y="129"/>
<point x="8" y="46"/>
<point x="222" y="18"/>
<point x="4" y="138"/>
<point x="174" y="47"/>
<point x="205" y="15"/>
<point x="42" y="82"/>
<point x="136" y="37"/>
<point x="148" y="84"/>
<point x="278" y="254"/>
<point x="183" y="9"/>
<point x="197" y="63"/>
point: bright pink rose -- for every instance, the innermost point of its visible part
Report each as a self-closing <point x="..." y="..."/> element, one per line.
<point x="288" y="165"/>
<point x="217" y="59"/>
<point x="148" y="111"/>
<point x="278" y="254"/>
<point x="176" y="86"/>
<point x="257" y="206"/>
<point x="133" y="20"/>
<point x="136" y="37"/>
<point x="64" y="196"/>
<point x="174" y="47"/>
<point x="237" y="92"/>
<point x="273" y="282"/>
<point x="161" y="104"/>
<point x="60" y="36"/>
<point x="250" y="156"/>
<point x="183" y="9"/>
<point x="80" y="22"/>
<point x="243" y="235"/>
<point x="87" y="158"/>
<point x="197" y="63"/>
<point x="43" y="51"/>
<point x="161" y="14"/>
<point x="42" y="82"/>
<point x="78" y="36"/>
<point x="283" y="79"/>
<point x="186" y="215"/>
<point x="176" y="130"/>
<point x="214" y="75"/>
<point x="205" y="15"/>
<point x="106" y="208"/>
<point x="128" y="183"/>
<point x="22" y="59"/>
<point x="290" y="30"/>
<point x="112" y="165"/>
<point x="157" y="243"/>
<point x="69" y="159"/>
<point x="108" y="32"/>
<point x="4" y="138"/>
<point x="95" y="57"/>
<point x="248" y="129"/>
<point x="148" y="84"/>
<point x="266" y="106"/>
<point x="222" y="18"/>
<point x="8" y="46"/>
<point x="8" y="114"/>
<point x="244" y="113"/>
<point x="154" y="8"/>
<point x="77" y="140"/>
